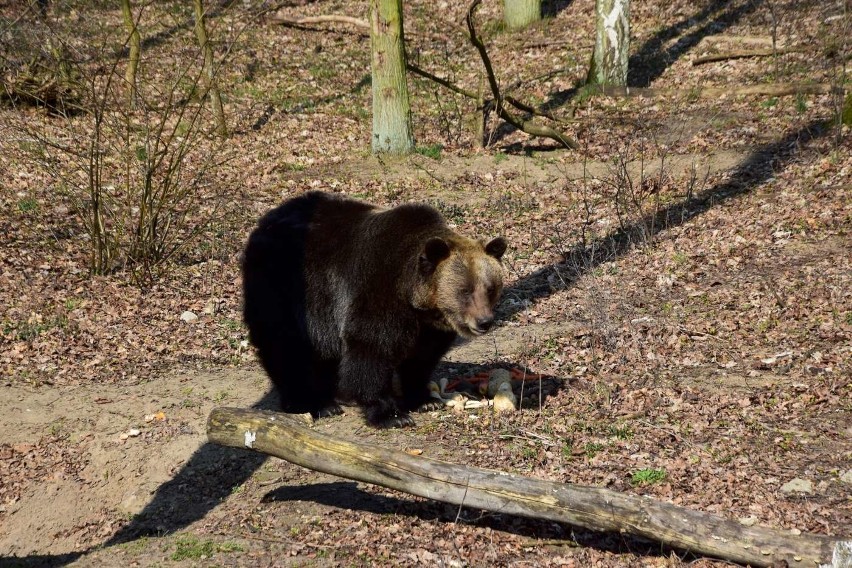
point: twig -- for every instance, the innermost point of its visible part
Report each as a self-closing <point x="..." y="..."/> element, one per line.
<point x="535" y="543"/>
<point x="249" y="536"/>
<point x="444" y="82"/>
<point x="444" y="183"/>
<point x="529" y="438"/>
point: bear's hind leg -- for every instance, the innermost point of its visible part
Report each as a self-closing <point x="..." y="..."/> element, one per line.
<point x="291" y="367"/>
<point x="325" y="381"/>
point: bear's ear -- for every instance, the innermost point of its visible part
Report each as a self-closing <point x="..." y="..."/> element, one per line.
<point x="496" y="247"/>
<point x="435" y="250"/>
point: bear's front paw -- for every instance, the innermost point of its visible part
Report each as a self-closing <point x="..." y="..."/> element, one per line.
<point x="401" y="421"/>
<point x="386" y="413"/>
<point x="431" y="405"/>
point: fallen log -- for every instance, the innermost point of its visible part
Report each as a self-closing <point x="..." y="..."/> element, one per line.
<point x="284" y="436"/>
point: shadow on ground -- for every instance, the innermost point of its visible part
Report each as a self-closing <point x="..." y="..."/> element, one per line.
<point x="348" y="495"/>
<point x="652" y="58"/>
<point x="211" y="473"/>
<point x="550" y="8"/>
<point x="207" y="478"/>
<point x="760" y="165"/>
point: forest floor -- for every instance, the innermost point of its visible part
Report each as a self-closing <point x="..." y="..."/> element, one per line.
<point x="685" y="280"/>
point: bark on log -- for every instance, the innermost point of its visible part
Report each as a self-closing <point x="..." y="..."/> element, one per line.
<point x="594" y="508"/>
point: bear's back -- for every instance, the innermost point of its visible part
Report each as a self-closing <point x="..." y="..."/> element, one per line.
<point x="364" y="238"/>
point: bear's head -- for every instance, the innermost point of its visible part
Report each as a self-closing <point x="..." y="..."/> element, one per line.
<point x="463" y="280"/>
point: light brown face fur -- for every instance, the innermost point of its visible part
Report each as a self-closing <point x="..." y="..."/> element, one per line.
<point x="467" y="285"/>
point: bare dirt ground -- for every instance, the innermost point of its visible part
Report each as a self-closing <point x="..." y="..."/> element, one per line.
<point x="686" y="279"/>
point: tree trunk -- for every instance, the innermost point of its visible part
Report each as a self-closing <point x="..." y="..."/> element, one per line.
<point x="612" y="43"/>
<point x="209" y="70"/>
<point x="391" y="111"/>
<point x="135" y="50"/>
<point x="594" y="508"/>
<point x="518" y="14"/>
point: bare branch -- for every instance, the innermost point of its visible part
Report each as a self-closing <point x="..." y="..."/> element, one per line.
<point x="528" y="126"/>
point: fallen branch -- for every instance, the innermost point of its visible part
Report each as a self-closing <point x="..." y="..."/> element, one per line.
<point x="748" y="40"/>
<point x="593" y="508"/>
<point x="334" y="18"/>
<point x="528" y="126"/>
<point x="740" y="55"/>
<point x="770" y="89"/>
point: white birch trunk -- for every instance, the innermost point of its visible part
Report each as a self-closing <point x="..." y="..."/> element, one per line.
<point x="612" y="43"/>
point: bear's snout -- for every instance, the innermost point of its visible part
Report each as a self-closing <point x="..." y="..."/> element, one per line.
<point x="484" y="324"/>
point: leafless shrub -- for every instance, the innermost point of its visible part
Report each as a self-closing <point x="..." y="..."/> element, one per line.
<point x="137" y="170"/>
<point x="622" y="204"/>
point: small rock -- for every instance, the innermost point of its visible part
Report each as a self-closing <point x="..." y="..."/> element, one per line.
<point x="846" y="477"/>
<point x="797" y="485"/>
<point x="267" y="477"/>
<point x="210" y="308"/>
<point x="135" y="502"/>
<point x="188" y="317"/>
<point x="748" y="521"/>
<point x="123" y="436"/>
<point x="133" y="432"/>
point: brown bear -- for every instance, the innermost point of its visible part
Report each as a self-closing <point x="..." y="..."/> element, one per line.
<point x="351" y="302"/>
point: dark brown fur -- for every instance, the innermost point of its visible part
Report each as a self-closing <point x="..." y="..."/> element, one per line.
<point x="343" y="299"/>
